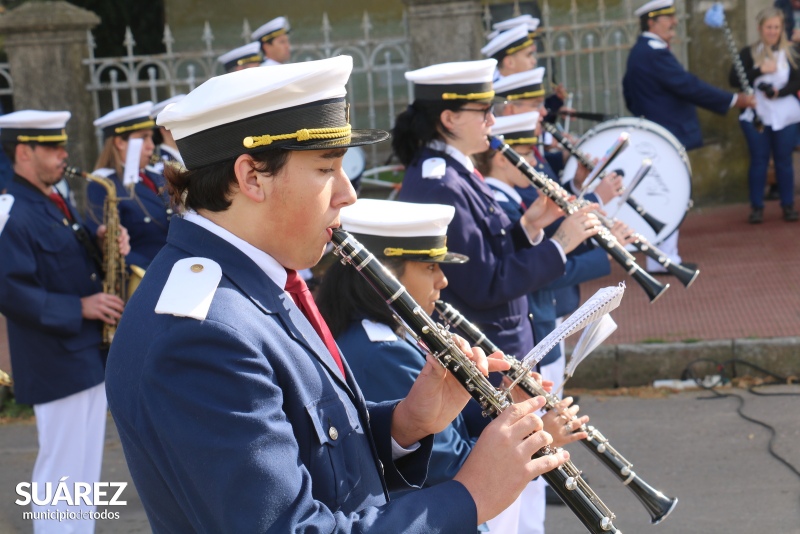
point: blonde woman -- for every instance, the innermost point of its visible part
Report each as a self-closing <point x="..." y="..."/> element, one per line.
<point x="771" y="65"/>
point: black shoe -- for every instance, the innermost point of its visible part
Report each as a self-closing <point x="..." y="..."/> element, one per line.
<point x="790" y="214"/>
<point x="756" y="216"/>
<point x="773" y="193"/>
<point x="551" y="497"/>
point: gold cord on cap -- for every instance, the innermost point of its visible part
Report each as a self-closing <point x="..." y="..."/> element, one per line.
<point x="301" y="135"/>
<point x="138" y="126"/>
<point x="249" y="59"/>
<point x="529" y="94"/>
<point x="523" y="141"/>
<point x="470" y="96"/>
<point x="665" y="11"/>
<point x="60" y="138"/>
<point x="272" y="35"/>
<point x="432" y="252"/>
<point x="517" y="48"/>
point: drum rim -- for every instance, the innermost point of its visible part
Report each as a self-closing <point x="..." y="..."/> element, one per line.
<point x="362" y="159"/>
<point x="643" y="124"/>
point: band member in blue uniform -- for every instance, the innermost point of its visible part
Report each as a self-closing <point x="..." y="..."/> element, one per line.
<point x="144" y="208"/>
<point x="274" y="40"/>
<point x="410" y="240"/>
<point x="51" y="295"/>
<point x="434" y="138"/>
<point x="658" y="88"/>
<point x="236" y="410"/>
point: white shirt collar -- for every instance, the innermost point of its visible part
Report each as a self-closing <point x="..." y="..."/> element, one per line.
<point x="265" y="262"/>
<point x="509" y="191"/>
<point x="651" y="35"/>
<point x="453" y="152"/>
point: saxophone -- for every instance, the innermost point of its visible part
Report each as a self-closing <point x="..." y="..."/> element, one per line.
<point x="116" y="280"/>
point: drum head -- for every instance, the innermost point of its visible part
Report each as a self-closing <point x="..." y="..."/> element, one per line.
<point x="665" y="192"/>
<point x="354" y="162"/>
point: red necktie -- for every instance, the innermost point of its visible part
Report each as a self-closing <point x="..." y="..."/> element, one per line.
<point x="538" y="154"/>
<point x="478" y="174"/>
<point x="148" y="182"/>
<point x="60" y="204"/>
<point x="301" y="296"/>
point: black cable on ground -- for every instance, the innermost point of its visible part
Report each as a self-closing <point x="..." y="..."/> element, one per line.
<point x="721" y="369"/>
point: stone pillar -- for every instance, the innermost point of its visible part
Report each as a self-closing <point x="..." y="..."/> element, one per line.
<point x="45" y="42"/>
<point x="442" y="30"/>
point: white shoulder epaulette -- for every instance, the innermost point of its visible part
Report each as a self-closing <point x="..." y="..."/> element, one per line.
<point x="655" y="44"/>
<point x="433" y="168"/>
<point x="6" y="201"/>
<point x="501" y="197"/>
<point x="377" y="332"/>
<point x="105" y="172"/>
<point x="190" y="288"/>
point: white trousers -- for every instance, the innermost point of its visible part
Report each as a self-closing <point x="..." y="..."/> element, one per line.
<point x="507" y="521"/>
<point x="71" y="435"/>
<point x="670" y="247"/>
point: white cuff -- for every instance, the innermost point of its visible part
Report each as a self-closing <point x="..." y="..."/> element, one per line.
<point x="398" y="451"/>
<point x="535" y="240"/>
<point x="733" y="100"/>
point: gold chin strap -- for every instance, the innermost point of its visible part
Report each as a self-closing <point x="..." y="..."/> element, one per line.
<point x="529" y="94"/>
<point x="305" y="134"/>
<point x="469" y="96"/>
<point x="138" y="126"/>
<point x="665" y="11"/>
<point x="517" y="48"/>
<point x="432" y="252"/>
<point x="61" y="138"/>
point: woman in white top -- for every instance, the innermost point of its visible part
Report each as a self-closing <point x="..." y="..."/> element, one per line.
<point x="771" y="66"/>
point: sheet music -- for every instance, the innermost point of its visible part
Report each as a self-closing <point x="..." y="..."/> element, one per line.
<point x="132" y="159"/>
<point x="602" y="302"/>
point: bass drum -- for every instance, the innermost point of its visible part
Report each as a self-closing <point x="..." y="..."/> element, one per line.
<point x="354" y="163"/>
<point x="665" y="192"/>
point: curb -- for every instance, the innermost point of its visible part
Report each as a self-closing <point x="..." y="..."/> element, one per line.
<point x="639" y="365"/>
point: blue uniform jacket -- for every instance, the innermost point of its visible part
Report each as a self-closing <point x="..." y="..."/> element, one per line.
<point x="658" y="88"/>
<point x="491" y="289"/>
<point x="145" y="216"/>
<point x="544" y="303"/>
<point x="386" y="370"/>
<point x="228" y="423"/>
<point x="44" y="272"/>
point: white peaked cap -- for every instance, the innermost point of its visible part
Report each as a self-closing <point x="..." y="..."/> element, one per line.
<point x="508" y="40"/>
<point x="530" y="21"/>
<point x="655" y="5"/>
<point x="396" y="219"/>
<point x="513" y="124"/>
<point x="33" y="119"/>
<point x="521" y="82"/>
<point x="298" y="106"/>
<point x="459" y="76"/>
<point x="32" y="125"/>
<point x="414" y="232"/>
<point x="250" y="50"/>
<point x="273" y="28"/>
<point x="158" y="108"/>
<point x="127" y="119"/>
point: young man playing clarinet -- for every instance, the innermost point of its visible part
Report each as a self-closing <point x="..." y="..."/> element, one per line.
<point x="236" y="410"/>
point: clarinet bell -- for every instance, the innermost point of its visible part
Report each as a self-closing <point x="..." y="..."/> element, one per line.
<point x="685" y="273"/>
<point x="651" y="286"/>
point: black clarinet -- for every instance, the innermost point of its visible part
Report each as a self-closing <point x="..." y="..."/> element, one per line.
<point x="584" y="160"/>
<point x="565" y="480"/>
<point x="604" y="238"/>
<point x="656" y="503"/>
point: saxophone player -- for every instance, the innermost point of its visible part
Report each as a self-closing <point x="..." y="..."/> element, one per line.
<point x="50" y="282"/>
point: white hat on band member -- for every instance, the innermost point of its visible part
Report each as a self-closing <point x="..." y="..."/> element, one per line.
<point x="508" y="42"/>
<point x="243" y="55"/>
<point x="517" y="129"/>
<point x="459" y="80"/>
<point x="526" y="84"/>
<point x="272" y="29"/>
<point x="34" y="126"/>
<point x="656" y="8"/>
<point x="126" y="120"/>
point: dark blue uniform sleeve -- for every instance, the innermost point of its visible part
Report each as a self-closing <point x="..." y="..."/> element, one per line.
<point x="683" y="84"/>
<point x="583" y="267"/>
<point x="23" y="297"/>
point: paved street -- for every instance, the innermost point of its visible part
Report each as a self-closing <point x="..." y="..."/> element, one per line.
<point x="716" y="463"/>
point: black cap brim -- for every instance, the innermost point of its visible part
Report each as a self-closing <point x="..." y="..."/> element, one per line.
<point x="450" y="257"/>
